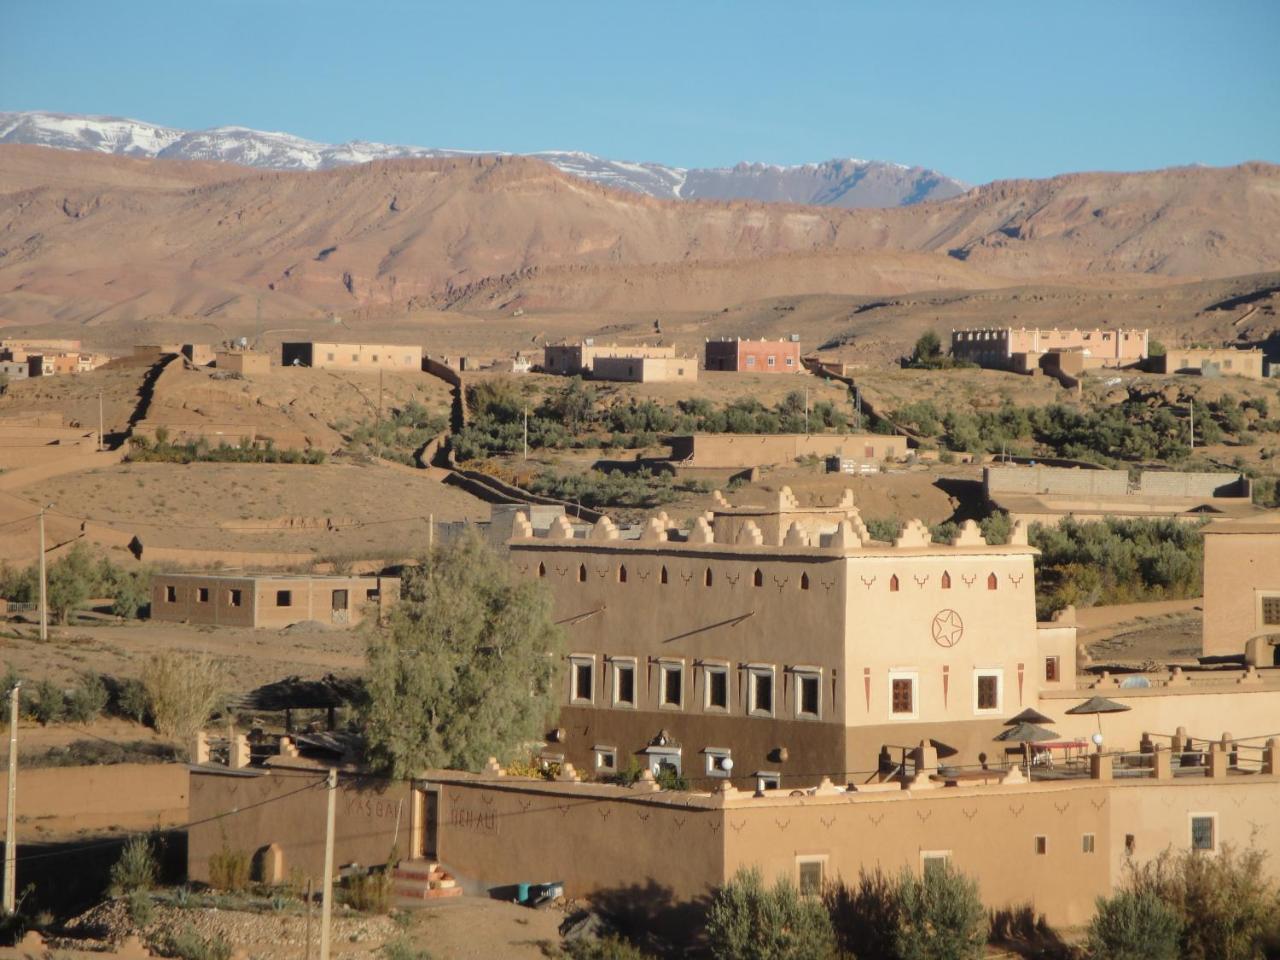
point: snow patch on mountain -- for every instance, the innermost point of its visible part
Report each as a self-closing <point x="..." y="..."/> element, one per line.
<point x="842" y="182"/>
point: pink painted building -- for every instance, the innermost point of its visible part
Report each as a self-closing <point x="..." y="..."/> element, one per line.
<point x="754" y="356"/>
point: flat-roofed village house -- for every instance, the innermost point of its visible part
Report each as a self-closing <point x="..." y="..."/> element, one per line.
<point x="270" y="600"/>
<point x="1011" y="348"/>
<point x="247" y="363"/>
<point x="352" y="356"/>
<point x="1212" y="362"/>
<point x="753" y="356"/>
<point x="634" y="363"/>
<point x="742" y="450"/>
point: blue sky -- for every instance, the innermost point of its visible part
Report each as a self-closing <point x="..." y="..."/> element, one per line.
<point x="978" y="90"/>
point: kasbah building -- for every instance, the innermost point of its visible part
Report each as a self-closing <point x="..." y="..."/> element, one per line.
<point x="833" y="702"/>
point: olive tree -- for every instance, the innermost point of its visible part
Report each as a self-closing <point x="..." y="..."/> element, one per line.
<point x="465" y="668"/>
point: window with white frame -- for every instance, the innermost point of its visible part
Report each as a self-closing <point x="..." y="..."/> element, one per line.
<point x="671" y="684"/>
<point x="624" y="682"/>
<point x="808" y="693"/>
<point x="768" y="780"/>
<point x="903" y="702"/>
<point x="1269" y="611"/>
<point x="582" y="678"/>
<point x="606" y="759"/>
<point x="718" y="763"/>
<point x="664" y="760"/>
<point x="716" y="682"/>
<point x="810" y="875"/>
<point x="988" y="690"/>
<point x="1204" y="831"/>
<point x="931" y="860"/>
<point x="760" y="691"/>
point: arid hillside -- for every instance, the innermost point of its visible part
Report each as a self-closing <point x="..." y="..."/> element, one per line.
<point x="87" y="238"/>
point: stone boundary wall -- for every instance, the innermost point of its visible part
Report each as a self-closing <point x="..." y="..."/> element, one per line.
<point x="1055" y="480"/>
<point x="1154" y="483"/>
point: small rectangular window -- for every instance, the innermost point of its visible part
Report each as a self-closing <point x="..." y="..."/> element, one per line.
<point x="371" y="595"/>
<point x="583" y="670"/>
<point x="903" y="696"/>
<point x="1042" y="845"/>
<point x="624" y="683"/>
<point x="284" y="598"/>
<point x="234" y="597"/>
<point x="1087" y="843"/>
<point x="808" y="695"/>
<point x="718" y="763"/>
<point x="761" y="691"/>
<point x="987" y="693"/>
<point x="375" y="358"/>
<point x="671" y="693"/>
<point x="338" y="601"/>
<point x="1271" y="611"/>
<point x="202" y="594"/>
<point x="751" y="361"/>
<point x="717" y="687"/>
<point x="171" y="594"/>
<point x="766" y="780"/>
<point x="1203" y="832"/>
<point x="811" y="870"/>
<point x="355" y="358"/>
<point x="932" y="861"/>
<point x="331" y="358"/>
<point x="606" y="760"/>
<point x="772" y="360"/>
<point x="1052" y="669"/>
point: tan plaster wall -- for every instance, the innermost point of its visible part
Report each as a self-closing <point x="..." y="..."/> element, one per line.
<point x="246" y="364"/>
<point x="1239" y="568"/>
<point x="758" y="450"/>
<point x="311" y="599"/>
<point x="131" y="795"/>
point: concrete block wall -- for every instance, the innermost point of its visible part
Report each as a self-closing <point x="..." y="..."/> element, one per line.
<point x="1055" y="480"/>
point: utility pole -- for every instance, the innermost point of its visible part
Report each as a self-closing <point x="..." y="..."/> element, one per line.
<point x="44" y="584"/>
<point x="99" y="421"/>
<point x="377" y="433"/>
<point x="11" y="813"/>
<point x="806" y="410"/>
<point x="526" y="431"/>
<point x="1192" y="405"/>
<point x="326" y="891"/>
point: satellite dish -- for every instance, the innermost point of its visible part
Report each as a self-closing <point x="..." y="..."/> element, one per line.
<point x="1135" y="683"/>
<point x="244" y="342"/>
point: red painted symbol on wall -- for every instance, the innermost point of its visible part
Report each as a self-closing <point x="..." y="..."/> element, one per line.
<point x="948" y="628"/>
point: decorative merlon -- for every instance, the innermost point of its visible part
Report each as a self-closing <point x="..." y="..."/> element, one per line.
<point x="970" y="535"/>
<point x="750" y="535"/>
<point x="653" y="531"/>
<point x="520" y="526"/>
<point x="796" y="537"/>
<point x="914" y="534"/>
<point x="1018" y="536"/>
<point x="845" y="536"/>
<point x="718" y="499"/>
<point x="701" y="532"/>
<point x="492" y="769"/>
<point x="561" y="529"/>
<point x="606" y="529"/>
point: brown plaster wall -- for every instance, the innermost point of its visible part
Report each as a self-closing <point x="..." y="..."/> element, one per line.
<point x="289" y="808"/>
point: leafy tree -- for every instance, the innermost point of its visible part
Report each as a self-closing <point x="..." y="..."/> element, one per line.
<point x="466" y="667"/>
<point x="749" y="921"/>
<point x="928" y="350"/>
<point x="71" y="581"/>
<point x="940" y="916"/>
<point x="1134" y="926"/>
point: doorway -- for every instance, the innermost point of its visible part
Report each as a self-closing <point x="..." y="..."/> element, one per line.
<point x="426" y="835"/>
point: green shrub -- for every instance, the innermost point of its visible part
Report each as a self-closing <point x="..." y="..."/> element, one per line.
<point x="1134" y="926"/>
<point x="136" y="870"/>
<point x="229" y="869"/>
<point x="88" y="699"/>
<point x="940" y="916"/>
<point x="1226" y="901"/>
<point x="400" y="948"/>
<point x="47" y="703"/>
<point x="748" y="921"/>
<point x="865" y="916"/>
<point x="141" y="909"/>
<point x="370" y="892"/>
<point x="604" y="948"/>
<point x="131" y="700"/>
<point x="189" y="945"/>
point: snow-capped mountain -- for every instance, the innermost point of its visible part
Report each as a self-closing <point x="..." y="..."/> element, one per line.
<point x="840" y="183"/>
